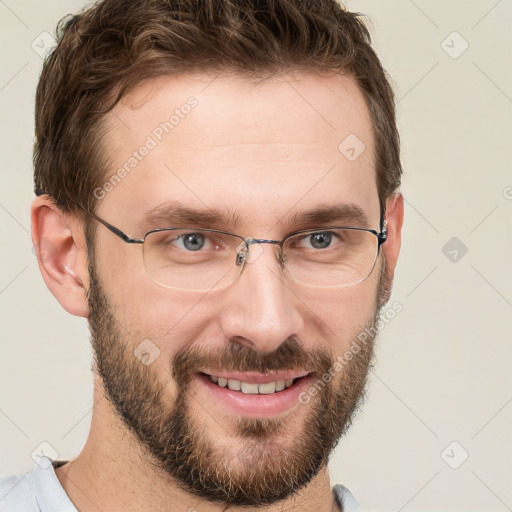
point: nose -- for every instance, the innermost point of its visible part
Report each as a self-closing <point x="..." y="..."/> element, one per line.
<point x="260" y="308"/>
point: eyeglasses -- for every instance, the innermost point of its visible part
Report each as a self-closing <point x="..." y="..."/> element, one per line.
<point x="204" y="259"/>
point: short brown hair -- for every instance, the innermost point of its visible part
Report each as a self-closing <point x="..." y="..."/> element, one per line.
<point x="109" y="48"/>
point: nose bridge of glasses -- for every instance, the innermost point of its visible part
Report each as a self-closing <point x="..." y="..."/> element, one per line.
<point x="251" y="248"/>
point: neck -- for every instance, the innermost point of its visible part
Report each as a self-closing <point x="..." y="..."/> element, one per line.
<point x="114" y="472"/>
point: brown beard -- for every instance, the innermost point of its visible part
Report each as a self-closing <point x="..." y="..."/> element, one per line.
<point x="264" y="470"/>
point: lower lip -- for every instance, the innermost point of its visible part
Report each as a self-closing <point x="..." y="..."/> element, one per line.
<point x="257" y="406"/>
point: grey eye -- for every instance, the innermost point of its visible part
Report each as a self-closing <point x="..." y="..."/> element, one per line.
<point x="193" y="241"/>
<point x="321" y="240"/>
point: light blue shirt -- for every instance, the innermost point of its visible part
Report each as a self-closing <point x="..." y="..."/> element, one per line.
<point x="41" y="491"/>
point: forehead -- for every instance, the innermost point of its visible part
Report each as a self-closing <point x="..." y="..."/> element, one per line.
<point x="255" y="149"/>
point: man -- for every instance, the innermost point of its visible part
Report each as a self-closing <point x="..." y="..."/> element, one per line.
<point x="217" y="194"/>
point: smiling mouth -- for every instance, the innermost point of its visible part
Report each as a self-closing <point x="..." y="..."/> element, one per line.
<point x="252" y="388"/>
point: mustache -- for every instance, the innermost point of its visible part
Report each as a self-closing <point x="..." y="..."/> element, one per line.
<point x="290" y="355"/>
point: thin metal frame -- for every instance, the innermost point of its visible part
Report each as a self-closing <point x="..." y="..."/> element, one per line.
<point x="248" y="241"/>
<point x="381" y="237"/>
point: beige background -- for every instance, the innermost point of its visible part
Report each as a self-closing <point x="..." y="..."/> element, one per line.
<point x="443" y="363"/>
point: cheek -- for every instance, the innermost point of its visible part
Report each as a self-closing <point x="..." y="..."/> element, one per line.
<point x="120" y="265"/>
<point x="169" y="318"/>
<point x="337" y="318"/>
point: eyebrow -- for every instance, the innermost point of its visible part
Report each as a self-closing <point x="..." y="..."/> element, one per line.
<point x="175" y="213"/>
<point x="339" y="213"/>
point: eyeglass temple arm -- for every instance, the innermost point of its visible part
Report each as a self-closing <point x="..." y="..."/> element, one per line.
<point x="383" y="235"/>
<point x="121" y="234"/>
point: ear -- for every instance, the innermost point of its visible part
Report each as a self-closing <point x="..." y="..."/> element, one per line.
<point x="391" y="247"/>
<point x="59" y="245"/>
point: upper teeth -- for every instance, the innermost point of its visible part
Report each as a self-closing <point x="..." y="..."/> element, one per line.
<point x="251" y="388"/>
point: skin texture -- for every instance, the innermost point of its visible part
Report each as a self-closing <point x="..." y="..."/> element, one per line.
<point x="262" y="152"/>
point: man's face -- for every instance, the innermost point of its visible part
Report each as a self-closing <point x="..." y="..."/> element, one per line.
<point x="261" y="153"/>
